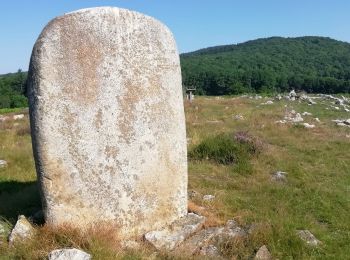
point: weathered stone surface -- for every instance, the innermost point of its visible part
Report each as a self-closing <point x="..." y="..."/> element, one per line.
<point x="308" y="237"/>
<point x="108" y="121"/>
<point x="22" y="230"/>
<point x="171" y="236"/>
<point x="263" y="254"/>
<point x="199" y="240"/>
<point x="68" y="254"/>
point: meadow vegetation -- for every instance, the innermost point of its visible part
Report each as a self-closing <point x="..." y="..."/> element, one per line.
<point x="233" y="158"/>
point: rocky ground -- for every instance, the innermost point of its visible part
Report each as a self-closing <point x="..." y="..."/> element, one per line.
<point x="288" y="201"/>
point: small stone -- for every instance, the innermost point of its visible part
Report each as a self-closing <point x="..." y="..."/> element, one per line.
<point x="170" y="237"/>
<point x="238" y="117"/>
<point x="306" y="114"/>
<point x="308" y="237"/>
<point x="22" y="230"/>
<point x="279" y="176"/>
<point x="231" y="224"/>
<point x="68" y="254"/>
<point x="263" y="254"/>
<point x="3" y="163"/>
<point x="18" y="117"/>
<point x="317" y="119"/>
<point x="208" y="198"/>
<point x="306" y="125"/>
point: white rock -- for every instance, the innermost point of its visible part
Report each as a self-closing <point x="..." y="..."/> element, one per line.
<point x="68" y="254"/>
<point x="279" y="176"/>
<point x="208" y="198"/>
<point x="238" y="117"/>
<point x="22" y="230"/>
<point x="210" y="251"/>
<point x="3" y="163"/>
<point x="306" y="125"/>
<point x="306" y="114"/>
<point x="171" y="236"/>
<point x="18" y="117"/>
<point x="317" y="119"/>
<point x="4" y="118"/>
<point x="107" y="112"/>
<point x="308" y="237"/>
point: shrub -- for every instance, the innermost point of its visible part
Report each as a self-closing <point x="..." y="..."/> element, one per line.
<point x="227" y="149"/>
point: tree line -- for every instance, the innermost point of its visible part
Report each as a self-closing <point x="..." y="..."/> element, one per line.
<point x="271" y="65"/>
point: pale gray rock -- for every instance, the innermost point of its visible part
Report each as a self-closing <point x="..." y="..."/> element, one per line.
<point x="279" y="176"/>
<point x="306" y="114"/>
<point x="308" y="237"/>
<point x="3" y="163"/>
<point x="108" y="122"/>
<point x="208" y="198"/>
<point x="307" y="125"/>
<point x="263" y="254"/>
<point x="199" y="240"/>
<point x="18" y="117"/>
<point x="22" y="230"/>
<point x="68" y="254"/>
<point x="171" y="236"/>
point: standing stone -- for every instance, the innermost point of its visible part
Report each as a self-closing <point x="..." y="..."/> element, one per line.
<point x="108" y="121"/>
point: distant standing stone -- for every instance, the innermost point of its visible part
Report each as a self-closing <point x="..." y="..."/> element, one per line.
<point x="68" y="254"/>
<point x="108" y="122"/>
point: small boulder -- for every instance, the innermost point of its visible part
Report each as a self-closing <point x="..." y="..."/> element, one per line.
<point x="279" y="176"/>
<point x="18" y="117"/>
<point x="3" y="163"/>
<point x="210" y="251"/>
<point x="308" y="237"/>
<point x="170" y="237"/>
<point x="306" y="114"/>
<point x="23" y="230"/>
<point x="263" y="254"/>
<point x="208" y="198"/>
<point x="306" y="125"/>
<point x="68" y="254"/>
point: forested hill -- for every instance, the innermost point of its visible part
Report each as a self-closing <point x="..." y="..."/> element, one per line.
<point x="312" y="64"/>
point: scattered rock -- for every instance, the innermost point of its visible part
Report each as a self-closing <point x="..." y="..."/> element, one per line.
<point x="4" y="118"/>
<point x="238" y="117"/>
<point x="317" y="119"/>
<point x="292" y="95"/>
<point x="68" y="254"/>
<point x="199" y="240"/>
<point x="308" y="237"/>
<point x="18" y="117"/>
<point x="3" y="163"/>
<point x="22" y="230"/>
<point x="306" y="114"/>
<point x="171" y="236"/>
<point x="263" y="254"/>
<point x="278" y="97"/>
<point x="208" y="198"/>
<point x="342" y="122"/>
<point x="307" y="125"/>
<point x="279" y="176"/>
<point x="269" y="102"/>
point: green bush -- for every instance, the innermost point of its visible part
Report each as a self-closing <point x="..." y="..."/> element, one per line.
<point x="224" y="149"/>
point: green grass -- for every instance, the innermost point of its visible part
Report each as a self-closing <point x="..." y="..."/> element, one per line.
<point x="11" y="110"/>
<point x="315" y="197"/>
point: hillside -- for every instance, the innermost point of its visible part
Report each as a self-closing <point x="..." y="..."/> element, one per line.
<point x="312" y="64"/>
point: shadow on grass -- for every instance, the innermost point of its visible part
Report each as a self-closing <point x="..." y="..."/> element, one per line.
<point x="19" y="198"/>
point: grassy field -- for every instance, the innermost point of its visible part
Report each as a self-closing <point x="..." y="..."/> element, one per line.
<point x="316" y="195"/>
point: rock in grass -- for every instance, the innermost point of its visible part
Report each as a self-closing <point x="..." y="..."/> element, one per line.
<point x="106" y="109"/>
<point x="170" y="237"/>
<point x="68" y="254"/>
<point x="308" y="237"/>
<point x="208" y="198"/>
<point x="263" y="254"/>
<point x="279" y="176"/>
<point x="210" y="251"/>
<point x="23" y="230"/>
<point x="306" y="125"/>
<point x="3" y="163"/>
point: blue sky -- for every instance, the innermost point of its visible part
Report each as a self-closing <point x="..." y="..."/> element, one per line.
<point x="195" y="23"/>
